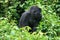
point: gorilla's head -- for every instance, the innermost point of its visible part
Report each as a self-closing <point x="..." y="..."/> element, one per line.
<point x="35" y="11"/>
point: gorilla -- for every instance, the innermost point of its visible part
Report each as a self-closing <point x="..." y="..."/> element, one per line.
<point x="31" y="18"/>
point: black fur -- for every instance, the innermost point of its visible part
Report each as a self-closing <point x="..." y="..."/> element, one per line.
<point x="31" y="18"/>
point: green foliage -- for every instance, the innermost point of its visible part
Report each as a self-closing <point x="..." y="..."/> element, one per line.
<point x="48" y="29"/>
<point x="57" y="8"/>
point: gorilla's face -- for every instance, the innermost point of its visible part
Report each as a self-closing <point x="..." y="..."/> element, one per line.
<point x="36" y="13"/>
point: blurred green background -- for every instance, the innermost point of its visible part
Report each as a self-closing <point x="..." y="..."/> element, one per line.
<point x="48" y="29"/>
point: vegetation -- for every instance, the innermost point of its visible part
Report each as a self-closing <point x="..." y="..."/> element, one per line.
<point x="48" y="29"/>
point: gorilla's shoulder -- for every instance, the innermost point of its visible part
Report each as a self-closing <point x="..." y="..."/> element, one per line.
<point x="26" y="13"/>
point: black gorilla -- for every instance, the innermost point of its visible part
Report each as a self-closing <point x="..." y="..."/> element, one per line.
<point x="31" y="18"/>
